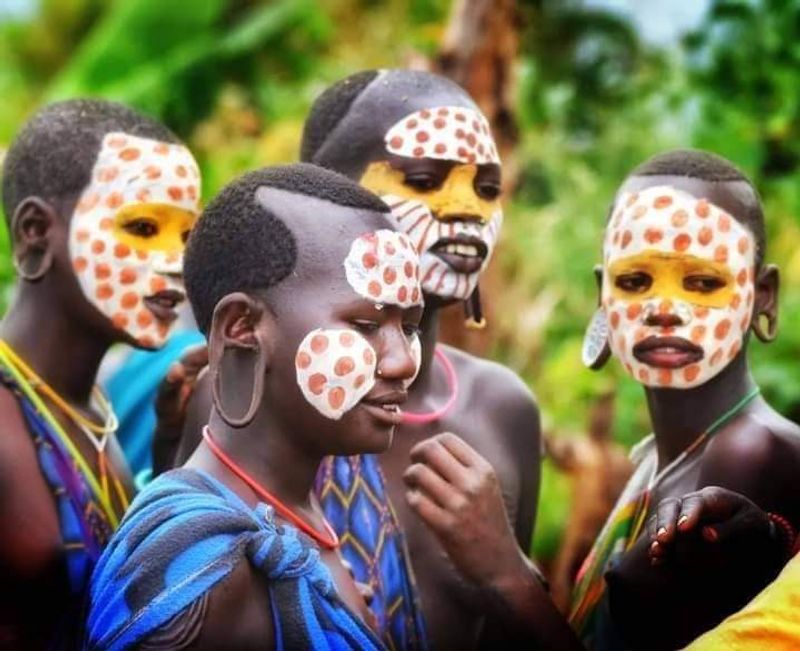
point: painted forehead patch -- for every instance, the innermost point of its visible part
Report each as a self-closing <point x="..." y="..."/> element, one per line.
<point x="335" y="370"/>
<point x="445" y="133"/>
<point x="663" y="218"/>
<point x="383" y="267"/>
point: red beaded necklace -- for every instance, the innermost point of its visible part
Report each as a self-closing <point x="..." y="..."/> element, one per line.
<point x="332" y="542"/>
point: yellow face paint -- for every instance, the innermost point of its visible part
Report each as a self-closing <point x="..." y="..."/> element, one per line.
<point x="674" y="276"/>
<point x="153" y="227"/>
<point x="454" y="199"/>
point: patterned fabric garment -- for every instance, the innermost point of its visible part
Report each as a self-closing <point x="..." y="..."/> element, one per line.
<point x="589" y="614"/>
<point x="353" y="496"/>
<point x="185" y="533"/>
<point x="85" y="530"/>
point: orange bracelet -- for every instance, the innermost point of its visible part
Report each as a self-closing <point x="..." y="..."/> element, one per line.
<point x="788" y="534"/>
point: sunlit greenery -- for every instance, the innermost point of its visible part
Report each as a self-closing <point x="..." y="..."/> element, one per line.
<point x="236" y="77"/>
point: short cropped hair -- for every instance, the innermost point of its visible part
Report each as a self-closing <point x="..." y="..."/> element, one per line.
<point x="53" y="155"/>
<point x="705" y="166"/>
<point x="240" y="245"/>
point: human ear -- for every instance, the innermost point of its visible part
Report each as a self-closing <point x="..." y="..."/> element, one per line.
<point x="766" y="303"/>
<point x="238" y="340"/>
<point x="31" y="229"/>
<point x="596" y="351"/>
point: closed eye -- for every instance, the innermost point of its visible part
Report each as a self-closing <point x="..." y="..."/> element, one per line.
<point x="637" y="282"/>
<point x="365" y="327"/>
<point x="422" y="182"/>
<point x="411" y="330"/>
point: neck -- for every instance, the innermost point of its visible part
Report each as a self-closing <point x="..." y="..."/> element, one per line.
<point x="262" y="451"/>
<point x="429" y="333"/>
<point x="62" y="352"/>
<point x="679" y="416"/>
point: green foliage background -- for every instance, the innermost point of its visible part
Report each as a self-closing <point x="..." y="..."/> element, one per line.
<point x="236" y="77"/>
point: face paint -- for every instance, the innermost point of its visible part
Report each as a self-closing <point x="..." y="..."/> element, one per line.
<point x="335" y="370"/>
<point x="127" y="233"/>
<point x="453" y="228"/>
<point x="416" y="355"/>
<point x="678" y="287"/>
<point x="383" y="267"/>
<point x="447" y="133"/>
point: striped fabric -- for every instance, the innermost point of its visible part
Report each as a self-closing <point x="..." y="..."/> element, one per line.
<point x="84" y="527"/>
<point x="353" y="496"/>
<point x="185" y="533"/>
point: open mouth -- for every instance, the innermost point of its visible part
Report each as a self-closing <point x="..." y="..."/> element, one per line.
<point x="667" y="352"/>
<point x="385" y="407"/>
<point x="164" y="304"/>
<point x="463" y="253"/>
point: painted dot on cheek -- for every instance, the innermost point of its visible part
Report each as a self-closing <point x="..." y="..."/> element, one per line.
<point x="402" y="294"/>
<point x="614" y="319"/>
<point x="627" y="236"/>
<point x="634" y="310"/>
<point x="697" y="334"/>
<point x="653" y="235"/>
<point x="191" y="192"/>
<point x="705" y="236"/>
<point x="152" y="172"/>
<point x="716" y="357"/>
<point x="114" y="200"/>
<point x="157" y="284"/>
<point x="120" y="321"/>
<point x="702" y="209"/>
<point x="102" y="271"/>
<point x="396" y="142"/>
<point x="87" y="203"/>
<point x="369" y="356"/>
<point x="181" y="171"/>
<point x="104" y="291"/>
<point x="665" y="376"/>
<point x="644" y="375"/>
<point x="319" y="344"/>
<point x="161" y="148"/>
<point x="316" y="383"/>
<point x="691" y="372"/>
<point x="389" y="275"/>
<point x="346" y="339"/>
<point x="344" y="365"/>
<point x="418" y="152"/>
<point x="129" y="300"/>
<point x="440" y="149"/>
<point x="122" y="250"/>
<point x="80" y="264"/>
<point x="734" y="350"/>
<point x="128" y="276"/>
<point x="143" y="195"/>
<point x="736" y="301"/>
<point x="415" y="295"/>
<point x="98" y="246"/>
<point x="632" y="199"/>
<point x="303" y="360"/>
<point x="722" y="328"/>
<point x="82" y="236"/>
<point x="107" y="174"/>
<point x="175" y="193"/>
<point x="663" y="201"/>
<point x="336" y="397"/>
<point x="144" y="318"/>
<point x="130" y="153"/>
<point x="374" y="288"/>
<point x="408" y="269"/>
<point x="724" y="223"/>
<point x="117" y="142"/>
<point x="359" y="381"/>
<point x="743" y="245"/>
<point x="106" y="223"/>
<point x="721" y="253"/>
<point x="701" y="312"/>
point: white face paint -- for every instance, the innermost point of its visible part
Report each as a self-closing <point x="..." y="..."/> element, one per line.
<point x="383" y="267"/>
<point x="416" y="355"/>
<point x="335" y="370"/>
<point x="446" y="133"/>
<point x="437" y="277"/>
<point x="127" y="233"/>
<point x="336" y="367"/>
<point x="678" y="287"/>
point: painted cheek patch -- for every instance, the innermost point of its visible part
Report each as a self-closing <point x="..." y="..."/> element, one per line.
<point x="416" y="354"/>
<point x="383" y="267"/>
<point x="335" y="370"/>
<point x="114" y="277"/>
<point x="437" y="277"/>
<point x="444" y="133"/>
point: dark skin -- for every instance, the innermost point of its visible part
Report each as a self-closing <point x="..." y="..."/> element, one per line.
<point x="285" y="460"/>
<point x="755" y="454"/>
<point x="54" y="328"/>
<point x="496" y="415"/>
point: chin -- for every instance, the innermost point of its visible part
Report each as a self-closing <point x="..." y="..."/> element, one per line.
<point x="365" y="435"/>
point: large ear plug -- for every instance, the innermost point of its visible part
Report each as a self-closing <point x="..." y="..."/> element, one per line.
<point x="473" y="311"/>
<point x="596" y="351"/>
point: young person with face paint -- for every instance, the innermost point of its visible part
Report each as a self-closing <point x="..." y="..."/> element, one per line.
<point x="419" y="142"/>
<point x="683" y="285"/>
<point x="99" y="200"/>
<point x="311" y="302"/>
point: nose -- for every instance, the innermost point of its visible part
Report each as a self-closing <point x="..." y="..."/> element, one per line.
<point x="467" y="217"/>
<point x="169" y="264"/>
<point x="395" y="360"/>
<point x="665" y="314"/>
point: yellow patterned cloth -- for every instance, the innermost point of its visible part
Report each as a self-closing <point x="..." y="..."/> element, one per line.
<point x="770" y="621"/>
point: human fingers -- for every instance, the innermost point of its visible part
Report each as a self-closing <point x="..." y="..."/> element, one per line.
<point x="460" y="449"/>
<point x="433" y="453"/>
<point x="422" y="478"/>
<point x="428" y="511"/>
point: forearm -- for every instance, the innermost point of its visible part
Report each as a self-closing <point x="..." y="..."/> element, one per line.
<point x="519" y="602"/>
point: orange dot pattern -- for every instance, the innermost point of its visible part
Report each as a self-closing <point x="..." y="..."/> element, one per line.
<point x="383" y="266"/>
<point x="445" y="133"/>
<point x="335" y="369"/>
<point x="115" y="278"/>
<point x="664" y="219"/>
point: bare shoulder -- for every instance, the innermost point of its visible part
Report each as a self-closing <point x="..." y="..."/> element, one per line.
<point x="235" y="614"/>
<point x="757" y="454"/>
<point x="493" y="382"/>
<point x="28" y="518"/>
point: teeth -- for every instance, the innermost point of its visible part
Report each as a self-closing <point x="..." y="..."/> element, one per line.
<point x="462" y="249"/>
<point x="391" y="407"/>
